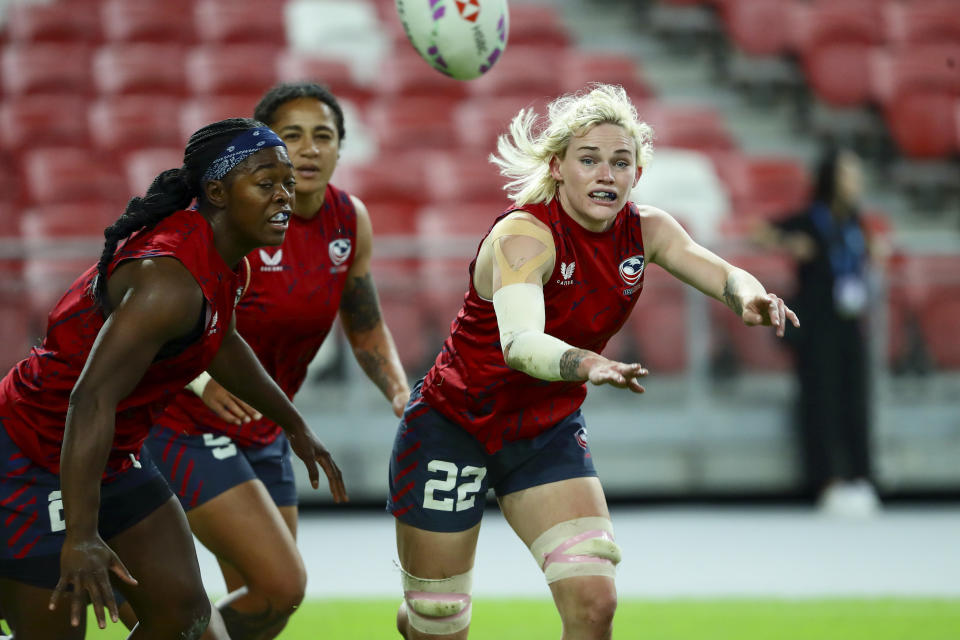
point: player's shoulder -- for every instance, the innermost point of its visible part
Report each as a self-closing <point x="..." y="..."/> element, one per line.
<point x="522" y="216"/>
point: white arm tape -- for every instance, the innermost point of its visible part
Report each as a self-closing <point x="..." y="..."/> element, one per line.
<point x="521" y="318"/>
<point x="198" y="384"/>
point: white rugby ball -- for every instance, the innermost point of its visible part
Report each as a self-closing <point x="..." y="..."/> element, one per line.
<point x="460" y="38"/>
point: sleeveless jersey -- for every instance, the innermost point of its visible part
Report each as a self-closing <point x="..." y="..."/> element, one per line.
<point x="286" y="313"/>
<point x="594" y="286"/>
<point x="35" y="393"/>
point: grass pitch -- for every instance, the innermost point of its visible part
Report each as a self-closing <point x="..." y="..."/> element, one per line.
<point x="734" y="619"/>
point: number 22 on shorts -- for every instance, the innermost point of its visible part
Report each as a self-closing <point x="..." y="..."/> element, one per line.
<point x="466" y="492"/>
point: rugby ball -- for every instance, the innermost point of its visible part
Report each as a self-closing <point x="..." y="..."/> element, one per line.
<point x="460" y="38"/>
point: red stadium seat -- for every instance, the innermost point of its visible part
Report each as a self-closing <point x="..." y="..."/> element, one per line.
<point x="688" y="127"/>
<point x="924" y="290"/>
<point x="146" y="164"/>
<point x="759" y="27"/>
<point x="520" y="75"/>
<point x="920" y="23"/>
<point x="240" y="69"/>
<point x="581" y="68"/>
<point x="453" y="178"/>
<point x="227" y="21"/>
<point x="46" y="68"/>
<point x="64" y="175"/>
<point x="452" y="233"/>
<point x="657" y="327"/>
<point x="923" y="125"/>
<point x="165" y="22"/>
<point x="763" y="187"/>
<point x="31" y="121"/>
<point x="125" y="123"/>
<point x="81" y="225"/>
<point x="51" y="22"/>
<point x="538" y="25"/>
<point x="140" y="68"/>
<point x="479" y="121"/>
<point x="412" y="122"/>
<point x="839" y="73"/>
<point x="832" y="21"/>
<point x="408" y="75"/>
<point x="201" y="111"/>
<point x="925" y="68"/>
<point x="756" y="349"/>
<point x="296" y="66"/>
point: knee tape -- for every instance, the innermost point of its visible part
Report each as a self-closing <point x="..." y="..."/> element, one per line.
<point x="580" y="547"/>
<point x="438" y="606"/>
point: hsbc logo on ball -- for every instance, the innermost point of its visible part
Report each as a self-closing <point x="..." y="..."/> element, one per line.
<point x="469" y="9"/>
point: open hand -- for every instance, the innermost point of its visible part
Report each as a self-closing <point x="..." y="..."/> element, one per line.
<point x="618" y="374"/>
<point x="309" y="449"/>
<point x="86" y="565"/>
<point x="769" y="310"/>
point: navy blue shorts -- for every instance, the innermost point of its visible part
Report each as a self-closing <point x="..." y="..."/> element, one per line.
<point x="440" y="474"/>
<point x="201" y="467"/>
<point x="31" y="512"/>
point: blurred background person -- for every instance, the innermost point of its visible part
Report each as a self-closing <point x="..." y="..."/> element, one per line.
<point x="832" y="251"/>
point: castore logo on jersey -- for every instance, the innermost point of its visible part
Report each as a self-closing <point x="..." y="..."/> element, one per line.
<point x="566" y="270"/>
<point x="271" y="263"/>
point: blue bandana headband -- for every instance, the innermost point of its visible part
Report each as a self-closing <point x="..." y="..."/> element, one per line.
<point x="239" y="149"/>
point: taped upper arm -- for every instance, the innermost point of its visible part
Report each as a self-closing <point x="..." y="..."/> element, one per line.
<point x="523" y="251"/>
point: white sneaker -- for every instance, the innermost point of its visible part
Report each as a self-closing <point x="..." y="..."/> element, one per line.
<point x="849" y="500"/>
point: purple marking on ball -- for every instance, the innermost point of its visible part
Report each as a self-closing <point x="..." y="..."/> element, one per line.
<point x="434" y="3"/>
<point x="492" y="59"/>
<point x="440" y="61"/>
<point x="433" y="50"/>
<point x="439" y="13"/>
<point x="500" y="28"/>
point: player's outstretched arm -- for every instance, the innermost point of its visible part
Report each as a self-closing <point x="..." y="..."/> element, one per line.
<point x="364" y="325"/>
<point x="522" y="255"/>
<point x="668" y="245"/>
<point x="238" y="370"/>
<point x="159" y="301"/>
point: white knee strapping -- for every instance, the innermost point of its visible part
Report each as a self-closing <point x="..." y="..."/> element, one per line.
<point x="438" y="606"/>
<point x="580" y="547"/>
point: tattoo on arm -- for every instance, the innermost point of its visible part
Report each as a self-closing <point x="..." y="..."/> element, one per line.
<point x="374" y="365"/>
<point x="359" y="306"/>
<point x="731" y="299"/>
<point x="570" y="363"/>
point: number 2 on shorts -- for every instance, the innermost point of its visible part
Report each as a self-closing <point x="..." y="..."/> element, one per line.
<point x="466" y="492"/>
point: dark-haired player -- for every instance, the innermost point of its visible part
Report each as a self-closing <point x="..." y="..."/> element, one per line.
<point x="84" y="509"/>
<point x="232" y="476"/>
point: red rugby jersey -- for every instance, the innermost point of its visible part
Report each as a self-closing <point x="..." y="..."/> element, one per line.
<point x="593" y="287"/>
<point x="35" y="393"/>
<point x="286" y="313"/>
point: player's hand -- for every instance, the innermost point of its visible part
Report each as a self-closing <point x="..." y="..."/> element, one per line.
<point x="86" y="565"/>
<point x="399" y="402"/>
<point x="309" y="449"/>
<point x="769" y="310"/>
<point x="618" y="374"/>
<point x="228" y="406"/>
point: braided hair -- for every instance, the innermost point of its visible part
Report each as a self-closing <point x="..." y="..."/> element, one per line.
<point x="172" y="190"/>
<point x="284" y="92"/>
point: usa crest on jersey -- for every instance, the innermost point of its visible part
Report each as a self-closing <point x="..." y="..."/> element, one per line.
<point x="339" y="251"/>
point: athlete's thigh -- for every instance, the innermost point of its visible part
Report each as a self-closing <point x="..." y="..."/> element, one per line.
<point x="532" y="511"/>
<point x="291" y="515"/>
<point x="159" y="553"/>
<point x="26" y="610"/>
<point x="438" y="488"/>
<point x="243" y="527"/>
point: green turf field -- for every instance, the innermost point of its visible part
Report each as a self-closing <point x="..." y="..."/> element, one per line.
<point x="901" y="619"/>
